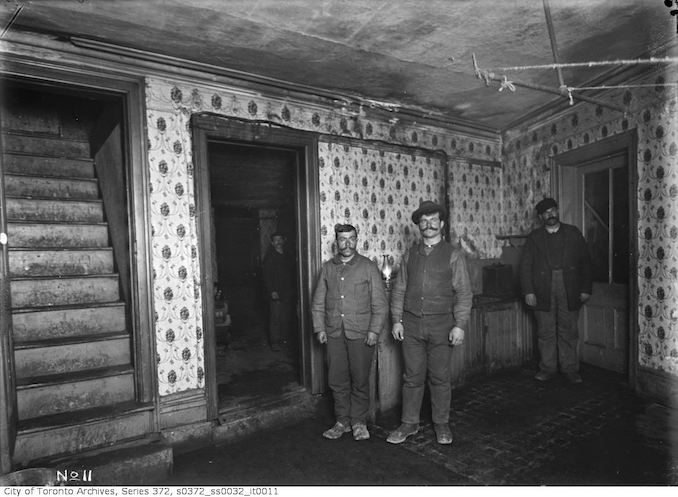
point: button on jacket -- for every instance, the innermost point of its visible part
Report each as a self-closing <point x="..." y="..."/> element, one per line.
<point x="351" y="294"/>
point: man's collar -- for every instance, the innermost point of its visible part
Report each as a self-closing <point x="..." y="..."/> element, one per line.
<point x="551" y="230"/>
<point x="337" y="259"/>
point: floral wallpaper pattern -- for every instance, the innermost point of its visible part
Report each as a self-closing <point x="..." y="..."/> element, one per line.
<point x="652" y="112"/>
<point x="376" y="191"/>
<point x="372" y="187"/>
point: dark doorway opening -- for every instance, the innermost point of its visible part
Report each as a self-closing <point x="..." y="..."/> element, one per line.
<point x="253" y="196"/>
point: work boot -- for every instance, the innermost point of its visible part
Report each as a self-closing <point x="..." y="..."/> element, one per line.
<point x="337" y="431"/>
<point x="443" y="433"/>
<point x="360" y="432"/>
<point x="544" y="376"/>
<point x="400" y="434"/>
<point x="573" y="377"/>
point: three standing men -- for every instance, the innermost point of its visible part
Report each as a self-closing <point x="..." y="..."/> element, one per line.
<point x="555" y="274"/>
<point x="430" y="308"/>
<point x="349" y="310"/>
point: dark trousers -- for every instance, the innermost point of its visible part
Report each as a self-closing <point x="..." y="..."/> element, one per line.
<point x="557" y="331"/>
<point x="349" y="363"/>
<point x="427" y="351"/>
<point x="280" y="314"/>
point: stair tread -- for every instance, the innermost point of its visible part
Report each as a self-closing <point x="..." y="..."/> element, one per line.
<point x="70" y="340"/>
<point x="67" y="307"/>
<point x="55" y="199"/>
<point x="77" y="223"/>
<point x="89" y="374"/>
<point x="83" y="416"/>
<point x="64" y="277"/>
<point x="52" y="178"/>
<point x="71" y="248"/>
<point x="40" y="134"/>
<point x="47" y="156"/>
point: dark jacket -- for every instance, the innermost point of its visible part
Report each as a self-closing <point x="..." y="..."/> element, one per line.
<point x="433" y="284"/>
<point x="351" y="293"/>
<point x="535" y="273"/>
<point x="279" y="274"/>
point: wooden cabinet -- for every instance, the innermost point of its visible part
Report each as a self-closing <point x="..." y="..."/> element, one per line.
<point x="500" y="335"/>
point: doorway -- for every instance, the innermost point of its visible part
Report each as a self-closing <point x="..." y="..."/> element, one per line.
<point x="596" y="186"/>
<point x="254" y="181"/>
<point x="253" y="191"/>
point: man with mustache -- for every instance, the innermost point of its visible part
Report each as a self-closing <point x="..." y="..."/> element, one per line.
<point x="349" y="310"/>
<point x="555" y="275"/>
<point x="430" y="308"/>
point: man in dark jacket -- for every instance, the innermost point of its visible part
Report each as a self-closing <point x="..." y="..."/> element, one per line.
<point x="555" y="274"/>
<point x="430" y="308"/>
<point x="349" y="310"/>
<point x="280" y="289"/>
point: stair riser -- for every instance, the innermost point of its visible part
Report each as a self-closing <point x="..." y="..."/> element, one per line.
<point x="66" y="323"/>
<point x="75" y="357"/>
<point x="56" y="147"/>
<point x="26" y="186"/>
<point x="25" y="263"/>
<point x="71" y="440"/>
<point x="36" y="293"/>
<point x="48" y="166"/>
<point x="57" y="235"/>
<point x="53" y="399"/>
<point x="53" y="210"/>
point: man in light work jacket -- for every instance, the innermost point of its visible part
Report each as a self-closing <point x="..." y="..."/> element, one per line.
<point x="349" y="309"/>
<point x="555" y="274"/>
<point x="430" y="308"/>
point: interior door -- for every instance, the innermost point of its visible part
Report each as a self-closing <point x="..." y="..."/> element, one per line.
<point x="601" y="211"/>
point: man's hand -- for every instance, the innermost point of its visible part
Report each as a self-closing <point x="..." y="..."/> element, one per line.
<point x="322" y="337"/>
<point x="398" y="331"/>
<point x="456" y="336"/>
<point x="583" y="297"/>
<point x="275" y="296"/>
<point x="531" y="299"/>
<point x="371" y="339"/>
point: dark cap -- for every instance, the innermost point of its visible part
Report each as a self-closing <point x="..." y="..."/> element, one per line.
<point x="427" y="207"/>
<point x="545" y="204"/>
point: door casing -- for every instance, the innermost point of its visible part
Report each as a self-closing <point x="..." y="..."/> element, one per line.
<point x="564" y="178"/>
<point x="209" y="127"/>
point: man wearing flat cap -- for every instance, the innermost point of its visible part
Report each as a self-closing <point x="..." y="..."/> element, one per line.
<point x="555" y="275"/>
<point x="430" y="308"/>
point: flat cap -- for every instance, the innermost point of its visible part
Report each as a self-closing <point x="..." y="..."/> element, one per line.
<point x="545" y="204"/>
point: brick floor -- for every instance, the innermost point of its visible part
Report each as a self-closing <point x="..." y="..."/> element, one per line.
<point x="511" y="429"/>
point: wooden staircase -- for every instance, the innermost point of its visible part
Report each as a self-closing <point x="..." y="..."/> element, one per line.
<point x="72" y="346"/>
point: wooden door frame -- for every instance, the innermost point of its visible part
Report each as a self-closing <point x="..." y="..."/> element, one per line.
<point x="52" y="75"/>
<point x="627" y="143"/>
<point x="210" y="127"/>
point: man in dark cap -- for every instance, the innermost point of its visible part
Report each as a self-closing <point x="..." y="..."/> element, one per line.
<point x="430" y="308"/>
<point x="555" y="274"/>
<point x="280" y="288"/>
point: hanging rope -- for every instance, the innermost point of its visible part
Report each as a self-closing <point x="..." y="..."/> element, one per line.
<point x="506" y="85"/>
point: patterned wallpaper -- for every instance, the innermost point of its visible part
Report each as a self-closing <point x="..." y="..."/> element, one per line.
<point x="652" y="111"/>
<point x="356" y="181"/>
<point x="376" y="191"/>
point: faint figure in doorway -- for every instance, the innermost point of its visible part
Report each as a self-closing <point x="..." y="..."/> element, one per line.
<point x="555" y="275"/>
<point x="280" y="291"/>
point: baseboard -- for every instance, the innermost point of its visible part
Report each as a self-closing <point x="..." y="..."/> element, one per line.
<point x="658" y="386"/>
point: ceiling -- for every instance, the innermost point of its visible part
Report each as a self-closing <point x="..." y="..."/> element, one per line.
<point x="412" y="54"/>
